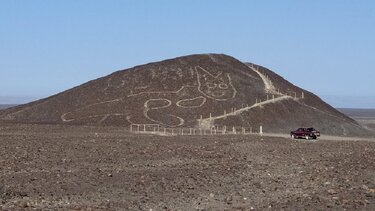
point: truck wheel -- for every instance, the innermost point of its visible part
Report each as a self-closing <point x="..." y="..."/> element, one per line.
<point x="293" y="137"/>
<point x="307" y="137"/>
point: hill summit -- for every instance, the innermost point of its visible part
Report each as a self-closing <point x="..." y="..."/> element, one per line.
<point x="192" y="91"/>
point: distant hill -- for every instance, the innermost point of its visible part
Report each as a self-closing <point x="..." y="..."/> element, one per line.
<point x="358" y="112"/>
<point x="203" y="90"/>
<point x="365" y="117"/>
<point x="4" y="106"/>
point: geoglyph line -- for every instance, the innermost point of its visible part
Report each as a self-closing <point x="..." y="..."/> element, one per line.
<point x="201" y="72"/>
<point x="180" y="102"/>
<point x="104" y="117"/>
<point x="159" y="92"/>
<point x="63" y="116"/>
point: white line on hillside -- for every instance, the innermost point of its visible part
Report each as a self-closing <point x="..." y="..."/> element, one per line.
<point x="239" y="111"/>
<point x="268" y="86"/>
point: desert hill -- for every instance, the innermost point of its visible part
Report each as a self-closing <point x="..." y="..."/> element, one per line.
<point x="191" y="91"/>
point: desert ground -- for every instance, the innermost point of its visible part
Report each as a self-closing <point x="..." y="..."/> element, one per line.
<point x="52" y="167"/>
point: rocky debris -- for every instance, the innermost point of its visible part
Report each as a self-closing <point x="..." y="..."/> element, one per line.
<point x="65" y="169"/>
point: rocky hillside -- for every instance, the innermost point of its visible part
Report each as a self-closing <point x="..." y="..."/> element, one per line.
<point x="191" y="91"/>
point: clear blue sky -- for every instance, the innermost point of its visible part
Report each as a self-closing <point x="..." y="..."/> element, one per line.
<point x="324" y="46"/>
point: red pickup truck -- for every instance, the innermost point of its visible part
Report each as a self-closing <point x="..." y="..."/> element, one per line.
<point x="306" y="133"/>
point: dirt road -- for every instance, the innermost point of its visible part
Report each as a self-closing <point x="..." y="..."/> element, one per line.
<point x="324" y="137"/>
<point x="60" y="167"/>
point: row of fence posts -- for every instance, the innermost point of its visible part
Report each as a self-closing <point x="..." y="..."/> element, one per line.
<point x="291" y="94"/>
<point x="157" y="129"/>
<point x="232" y="110"/>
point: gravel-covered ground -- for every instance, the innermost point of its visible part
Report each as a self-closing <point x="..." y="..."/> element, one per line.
<point x="47" y="167"/>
